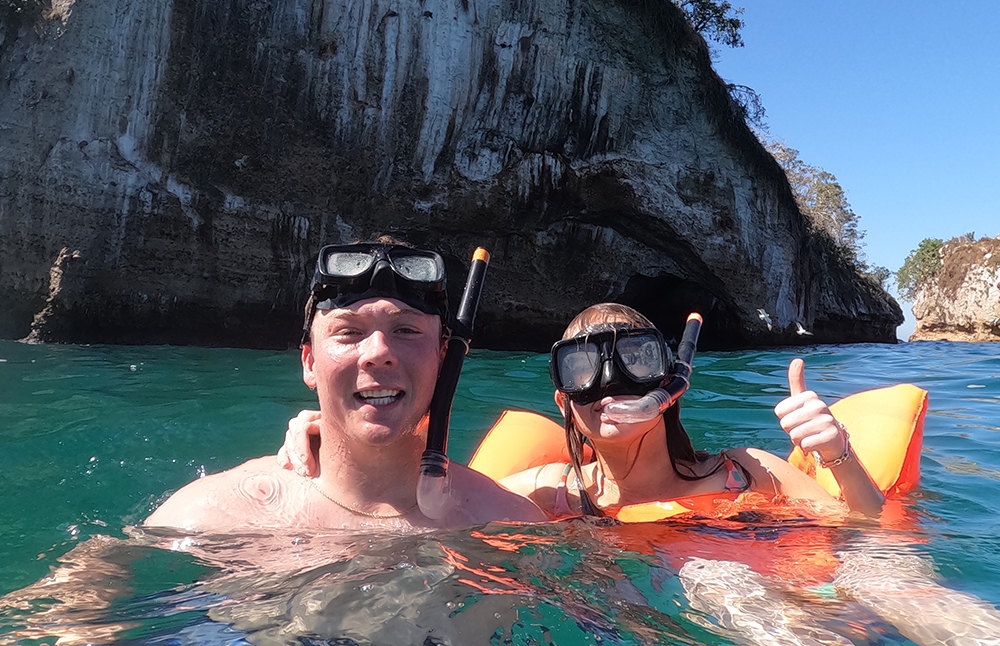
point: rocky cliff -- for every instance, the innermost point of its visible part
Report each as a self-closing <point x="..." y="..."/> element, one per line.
<point x="168" y="168"/>
<point x="962" y="301"/>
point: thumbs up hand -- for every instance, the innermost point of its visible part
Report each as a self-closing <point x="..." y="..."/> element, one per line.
<point x="807" y="419"/>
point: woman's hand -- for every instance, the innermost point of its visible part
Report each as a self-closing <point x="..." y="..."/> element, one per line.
<point x="296" y="453"/>
<point x="807" y="419"/>
<point x="813" y="428"/>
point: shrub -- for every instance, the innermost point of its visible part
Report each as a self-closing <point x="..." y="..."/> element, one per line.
<point x="922" y="264"/>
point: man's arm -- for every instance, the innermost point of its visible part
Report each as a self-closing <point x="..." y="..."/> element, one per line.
<point x="483" y="500"/>
<point x="185" y="509"/>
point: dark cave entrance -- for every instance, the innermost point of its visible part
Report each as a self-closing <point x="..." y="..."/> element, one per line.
<point x="667" y="301"/>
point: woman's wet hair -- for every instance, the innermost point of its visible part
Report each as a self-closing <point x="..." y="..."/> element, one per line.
<point x="683" y="455"/>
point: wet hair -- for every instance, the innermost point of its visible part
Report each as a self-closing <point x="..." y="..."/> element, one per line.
<point x="683" y="455"/>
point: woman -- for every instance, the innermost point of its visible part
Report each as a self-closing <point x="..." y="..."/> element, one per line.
<point x="629" y="457"/>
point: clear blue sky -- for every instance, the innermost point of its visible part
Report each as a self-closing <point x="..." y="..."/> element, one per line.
<point x="899" y="100"/>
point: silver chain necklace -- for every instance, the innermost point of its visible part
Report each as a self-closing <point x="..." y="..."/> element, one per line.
<point x="367" y="514"/>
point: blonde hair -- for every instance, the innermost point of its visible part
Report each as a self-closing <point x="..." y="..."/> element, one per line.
<point x="604" y="313"/>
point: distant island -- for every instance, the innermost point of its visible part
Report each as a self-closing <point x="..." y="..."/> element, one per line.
<point x="955" y="288"/>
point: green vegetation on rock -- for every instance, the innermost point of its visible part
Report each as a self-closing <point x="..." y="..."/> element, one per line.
<point x="823" y="201"/>
<point x="715" y="20"/>
<point x="719" y="21"/>
<point x="922" y="264"/>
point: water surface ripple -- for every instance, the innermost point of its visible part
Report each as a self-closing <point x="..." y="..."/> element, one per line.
<point x="93" y="437"/>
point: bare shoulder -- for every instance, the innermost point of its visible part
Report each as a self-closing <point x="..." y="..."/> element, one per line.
<point x="486" y="501"/>
<point x="537" y="483"/>
<point x="233" y="499"/>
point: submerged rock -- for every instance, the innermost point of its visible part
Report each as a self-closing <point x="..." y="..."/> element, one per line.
<point x="169" y="168"/>
<point x="962" y="301"/>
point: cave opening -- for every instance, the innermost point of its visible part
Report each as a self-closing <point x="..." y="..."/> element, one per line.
<point x="667" y="301"/>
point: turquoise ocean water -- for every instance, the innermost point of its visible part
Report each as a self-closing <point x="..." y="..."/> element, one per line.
<point x="93" y="437"/>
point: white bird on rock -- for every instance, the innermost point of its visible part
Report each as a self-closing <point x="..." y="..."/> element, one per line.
<point x="801" y="331"/>
<point x="764" y="316"/>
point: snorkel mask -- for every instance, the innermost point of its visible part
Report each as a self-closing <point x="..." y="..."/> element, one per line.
<point x="626" y="361"/>
<point x="346" y="274"/>
<point x="610" y="359"/>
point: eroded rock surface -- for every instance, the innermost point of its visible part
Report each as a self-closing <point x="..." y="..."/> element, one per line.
<point x="177" y="163"/>
<point x="961" y="302"/>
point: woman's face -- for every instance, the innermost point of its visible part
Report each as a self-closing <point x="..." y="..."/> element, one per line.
<point x="590" y="418"/>
<point x="597" y="427"/>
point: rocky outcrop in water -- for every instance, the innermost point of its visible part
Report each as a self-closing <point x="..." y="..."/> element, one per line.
<point x="962" y="301"/>
<point x="168" y="168"/>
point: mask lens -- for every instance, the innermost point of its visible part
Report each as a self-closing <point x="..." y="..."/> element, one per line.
<point x="347" y="263"/>
<point x="578" y="365"/>
<point x="419" y="268"/>
<point x="642" y="356"/>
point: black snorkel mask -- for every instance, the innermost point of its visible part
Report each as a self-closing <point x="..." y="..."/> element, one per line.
<point x="610" y="359"/>
<point x="346" y="274"/>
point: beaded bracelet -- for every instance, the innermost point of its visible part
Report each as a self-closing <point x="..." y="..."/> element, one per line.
<point x="845" y="457"/>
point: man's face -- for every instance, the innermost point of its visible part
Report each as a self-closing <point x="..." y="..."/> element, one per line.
<point x="374" y="365"/>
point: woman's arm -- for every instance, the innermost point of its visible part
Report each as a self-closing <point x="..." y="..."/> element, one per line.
<point x="774" y="476"/>
<point x="813" y="428"/>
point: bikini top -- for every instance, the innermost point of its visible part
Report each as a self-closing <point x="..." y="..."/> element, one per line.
<point x="736" y="483"/>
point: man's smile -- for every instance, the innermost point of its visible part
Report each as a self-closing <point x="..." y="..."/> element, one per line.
<point x="382" y="397"/>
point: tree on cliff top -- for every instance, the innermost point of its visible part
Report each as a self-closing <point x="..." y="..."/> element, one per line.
<point x="921" y="265"/>
<point x="716" y="20"/>
<point x="721" y="22"/>
<point x="819" y="196"/>
<point x="822" y="199"/>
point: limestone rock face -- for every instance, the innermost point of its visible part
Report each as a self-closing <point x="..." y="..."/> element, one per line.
<point x="962" y="302"/>
<point x="169" y="169"/>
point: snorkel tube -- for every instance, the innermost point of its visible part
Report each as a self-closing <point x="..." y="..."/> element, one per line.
<point x="660" y="399"/>
<point x="434" y="485"/>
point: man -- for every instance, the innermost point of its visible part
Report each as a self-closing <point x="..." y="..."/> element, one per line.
<point x="372" y="346"/>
